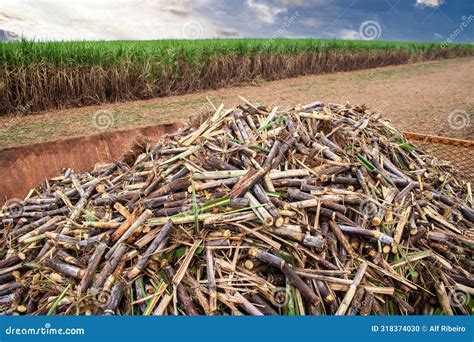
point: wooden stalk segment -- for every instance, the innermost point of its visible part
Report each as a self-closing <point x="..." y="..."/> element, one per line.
<point x="312" y="210"/>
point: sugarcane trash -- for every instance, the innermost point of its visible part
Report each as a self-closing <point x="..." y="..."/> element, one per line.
<point x="321" y="209"/>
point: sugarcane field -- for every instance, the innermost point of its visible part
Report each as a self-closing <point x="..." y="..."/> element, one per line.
<point x="237" y="176"/>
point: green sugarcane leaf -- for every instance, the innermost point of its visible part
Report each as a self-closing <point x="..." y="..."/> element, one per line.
<point x="286" y="256"/>
<point x="290" y="307"/>
<point x="273" y="194"/>
<point x="52" y="310"/>
<point x="89" y="218"/>
<point x="273" y="123"/>
<point x="407" y="147"/>
<point x="132" y="299"/>
<point x="388" y="179"/>
<point x="199" y="250"/>
<point x="237" y="141"/>
<point x="150" y="302"/>
<point x="405" y="257"/>
<point x="371" y="167"/>
<point x="209" y="205"/>
<point x="44" y="282"/>
<point x="413" y="273"/>
<point x="257" y="146"/>
<point x="366" y="163"/>
<point x="179" y="252"/>
<point x="195" y="208"/>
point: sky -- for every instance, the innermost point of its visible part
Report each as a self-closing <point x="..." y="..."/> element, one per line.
<point x="400" y="20"/>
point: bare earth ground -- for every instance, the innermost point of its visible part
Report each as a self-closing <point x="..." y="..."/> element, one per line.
<point x="416" y="97"/>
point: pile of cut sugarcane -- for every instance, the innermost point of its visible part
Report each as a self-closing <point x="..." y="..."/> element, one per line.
<point x="316" y="210"/>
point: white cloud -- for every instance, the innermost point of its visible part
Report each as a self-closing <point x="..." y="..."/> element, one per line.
<point x="348" y="34"/>
<point x="107" y="19"/>
<point x="311" y="22"/>
<point x="266" y="13"/>
<point x="302" y="2"/>
<point x="437" y="35"/>
<point x="429" y="3"/>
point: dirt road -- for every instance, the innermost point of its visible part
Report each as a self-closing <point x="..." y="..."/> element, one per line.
<point x="434" y="97"/>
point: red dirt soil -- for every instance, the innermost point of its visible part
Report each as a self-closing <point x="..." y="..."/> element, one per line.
<point x="416" y="97"/>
